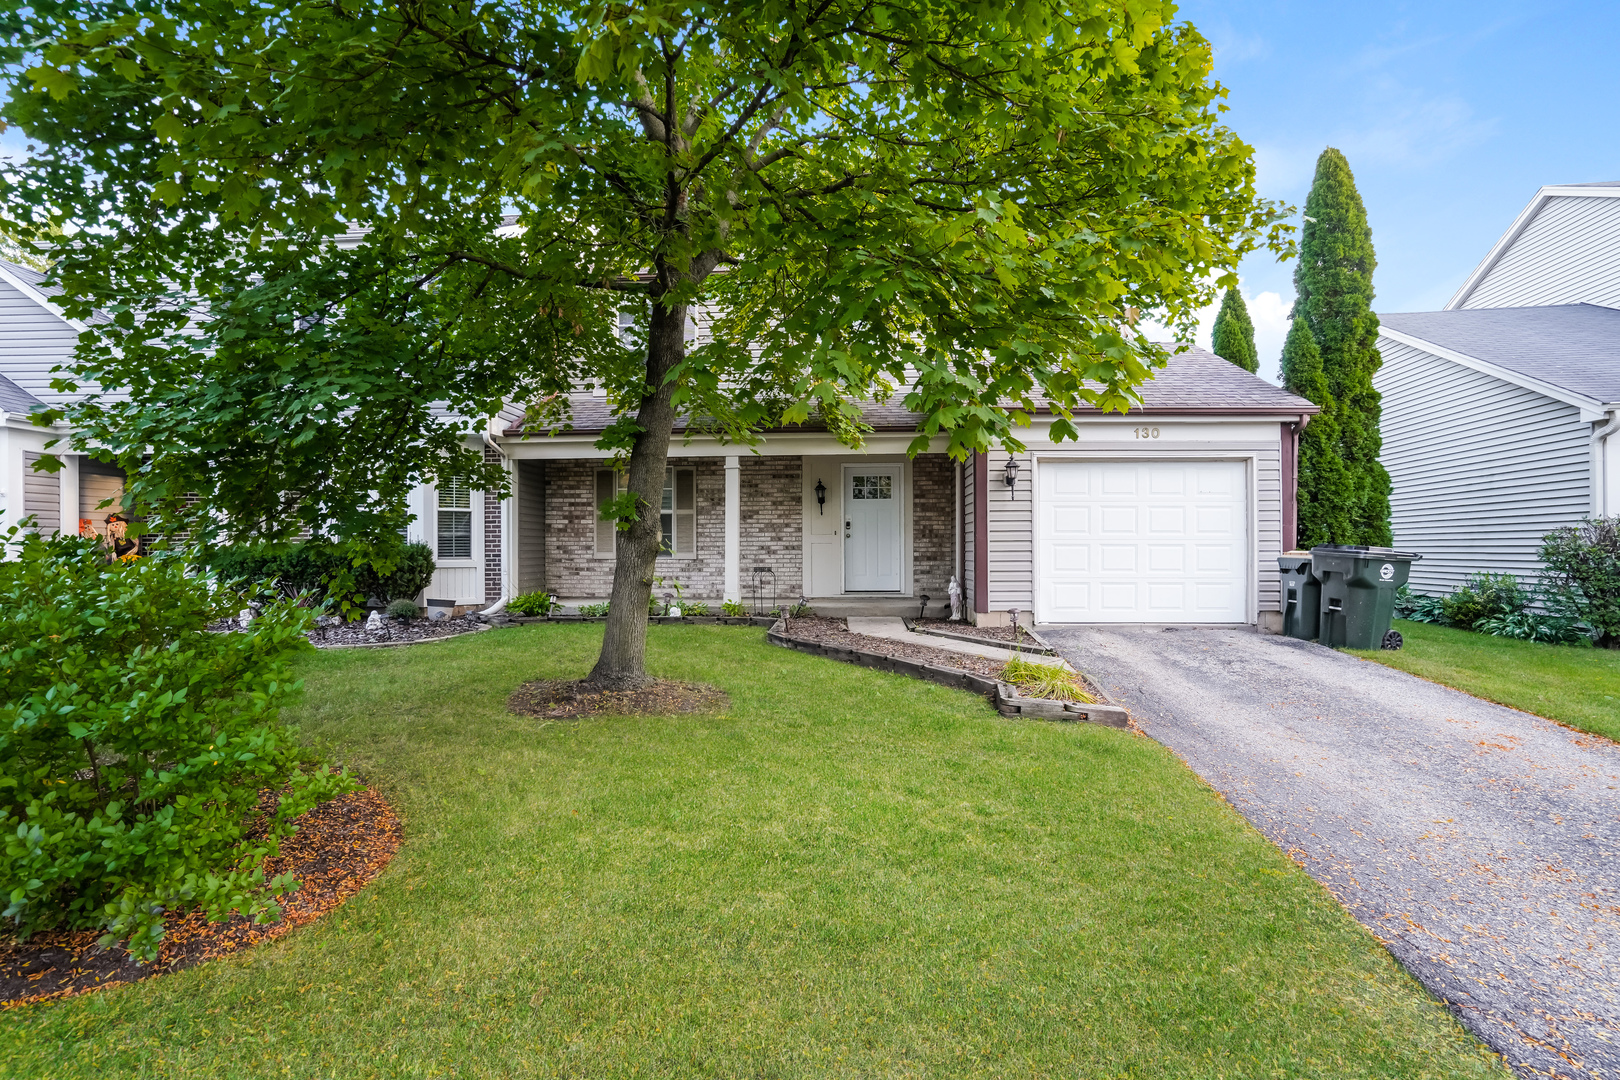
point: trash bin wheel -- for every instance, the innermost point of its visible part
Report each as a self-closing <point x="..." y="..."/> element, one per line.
<point x="1393" y="639"/>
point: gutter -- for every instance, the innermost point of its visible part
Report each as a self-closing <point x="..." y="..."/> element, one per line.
<point x="1600" y="467"/>
<point x="507" y="539"/>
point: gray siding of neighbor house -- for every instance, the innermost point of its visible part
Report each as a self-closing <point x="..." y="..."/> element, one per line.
<point x="970" y="564"/>
<point x="1569" y="253"/>
<point x="1481" y="468"/>
<point x="42" y="496"/>
<point x="32" y="342"/>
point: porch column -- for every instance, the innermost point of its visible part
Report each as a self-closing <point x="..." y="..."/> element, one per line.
<point x="733" y="530"/>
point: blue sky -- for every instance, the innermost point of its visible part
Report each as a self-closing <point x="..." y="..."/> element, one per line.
<point x="1451" y="115"/>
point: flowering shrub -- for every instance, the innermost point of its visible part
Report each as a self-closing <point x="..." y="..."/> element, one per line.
<point x="134" y="743"/>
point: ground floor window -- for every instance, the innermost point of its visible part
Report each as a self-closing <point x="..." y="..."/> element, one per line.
<point x="677" y="511"/>
<point x="455" y="519"/>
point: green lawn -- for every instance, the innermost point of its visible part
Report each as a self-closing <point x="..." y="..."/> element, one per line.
<point x="1578" y="687"/>
<point x="848" y="874"/>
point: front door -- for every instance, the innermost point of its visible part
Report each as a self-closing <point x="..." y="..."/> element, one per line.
<point x="872" y="555"/>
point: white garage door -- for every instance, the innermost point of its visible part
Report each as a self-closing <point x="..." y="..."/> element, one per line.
<point x="1152" y="541"/>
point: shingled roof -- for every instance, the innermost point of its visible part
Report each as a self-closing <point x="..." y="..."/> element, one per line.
<point x="1195" y="381"/>
<point x="14" y="399"/>
<point x="1572" y="346"/>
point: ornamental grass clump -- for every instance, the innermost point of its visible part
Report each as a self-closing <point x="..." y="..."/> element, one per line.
<point x="135" y="744"/>
<point x="1045" y="681"/>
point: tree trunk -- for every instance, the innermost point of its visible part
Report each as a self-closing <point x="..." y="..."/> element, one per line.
<point x="623" y="663"/>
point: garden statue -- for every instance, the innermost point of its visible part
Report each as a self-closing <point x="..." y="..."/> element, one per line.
<point x="245" y="617"/>
<point x="374" y="623"/>
<point x="955" y="591"/>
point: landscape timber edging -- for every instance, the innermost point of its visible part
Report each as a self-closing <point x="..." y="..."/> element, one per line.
<point x="662" y="620"/>
<point x="1005" y="697"/>
<point x="1041" y="646"/>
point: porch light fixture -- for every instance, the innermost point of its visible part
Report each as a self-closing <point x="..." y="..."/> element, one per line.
<point x="1012" y="472"/>
<point x="821" y="497"/>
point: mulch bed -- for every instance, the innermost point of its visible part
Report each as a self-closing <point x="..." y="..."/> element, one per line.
<point x="395" y="631"/>
<point x="835" y="632"/>
<point x="340" y="846"/>
<point x="999" y="635"/>
<point x="562" y="699"/>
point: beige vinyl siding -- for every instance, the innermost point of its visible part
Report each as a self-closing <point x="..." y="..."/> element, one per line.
<point x="1481" y="468"/>
<point x="99" y="483"/>
<point x="1268" y="523"/>
<point x="1011" y="532"/>
<point x="42" y="496"/>
<point x="1569" y="253"/>
<point x="530" y="480"/>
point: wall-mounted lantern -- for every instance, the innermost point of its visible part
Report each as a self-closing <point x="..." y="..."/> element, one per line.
<point x="821" y="497"/>
<point x="1012" y="472"/>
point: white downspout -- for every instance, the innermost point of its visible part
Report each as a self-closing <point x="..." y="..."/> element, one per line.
<point x="1604" y="502"/>
<point x="507" y="528"/>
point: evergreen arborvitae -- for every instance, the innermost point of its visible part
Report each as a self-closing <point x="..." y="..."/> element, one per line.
<point x="1233" y="338"/>
<point x="1334" y="292"/>
<point x="1325" y="485"/>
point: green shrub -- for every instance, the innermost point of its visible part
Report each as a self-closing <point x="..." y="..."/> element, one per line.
<point x="733" y="609"/>
<point x="1583" y="575"/>
<point x="403" y="609"/>
<point x="695" y="608"/>
<point x="317" y="568"/>
<point x="1536" y="626"/>
<point x="593" y="611"/>
<point x="532" y="605"/>
<point x="1485" y="596"/>
<point x="1420" y="608"/>
<point x="134" y="743"/>
<point x="412" y="572"/>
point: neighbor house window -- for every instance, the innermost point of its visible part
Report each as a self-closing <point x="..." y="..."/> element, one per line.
<point x="455" y="519"/>
<point x="677" y="511"/>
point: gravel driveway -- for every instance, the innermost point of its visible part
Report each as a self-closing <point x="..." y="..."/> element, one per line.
<point x="1479" y="843"/>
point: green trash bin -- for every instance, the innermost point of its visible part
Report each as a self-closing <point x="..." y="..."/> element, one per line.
<point x="1358" y="594"/>
<point x="1302" y="596"/>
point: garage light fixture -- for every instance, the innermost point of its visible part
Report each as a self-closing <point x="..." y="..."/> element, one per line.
<point x="1012" y="472"/>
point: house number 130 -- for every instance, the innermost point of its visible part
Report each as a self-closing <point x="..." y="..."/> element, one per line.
<point x="1146" y="432"/>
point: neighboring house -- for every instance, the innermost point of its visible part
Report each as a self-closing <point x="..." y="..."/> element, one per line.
<point x="1174" y="513"/>
<point x="34" y="338"/>
<point x="1500" y="412"/>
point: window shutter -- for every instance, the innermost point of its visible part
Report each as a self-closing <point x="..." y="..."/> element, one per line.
<point x="685" y="512"/>
<point x="604" y="495"/>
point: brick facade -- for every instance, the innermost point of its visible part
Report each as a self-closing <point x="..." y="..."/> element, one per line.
<point x="574" y="570"/>
<point x="771" y="527"/>
<point x="933" y="526"/>
<point x="772" y="500"/>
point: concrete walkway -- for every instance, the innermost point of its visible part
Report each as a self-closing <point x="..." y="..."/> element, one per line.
<point x="1481" y="844"/>
<point x="895" y="630"/>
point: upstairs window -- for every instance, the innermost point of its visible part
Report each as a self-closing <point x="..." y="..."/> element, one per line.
<point x="455" y="519"/>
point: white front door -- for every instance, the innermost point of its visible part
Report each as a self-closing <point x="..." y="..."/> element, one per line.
<point x="1148" y="541"/>
<point x="872" y="555"/>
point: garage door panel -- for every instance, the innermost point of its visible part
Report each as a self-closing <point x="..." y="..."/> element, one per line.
<point x="1166" y="558"/>
<point x="1162" y="541"/>
<point x="1166" y="520"/>
<point x="1071" y="521"/>
<point x="1071" y="558"/>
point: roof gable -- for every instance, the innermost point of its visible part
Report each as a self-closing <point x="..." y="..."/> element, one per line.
<point x="1563" y="248"/>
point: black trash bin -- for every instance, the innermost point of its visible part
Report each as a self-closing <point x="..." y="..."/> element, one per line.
<point x="1302" y="596"/>
<point x="1358" y="594"/>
